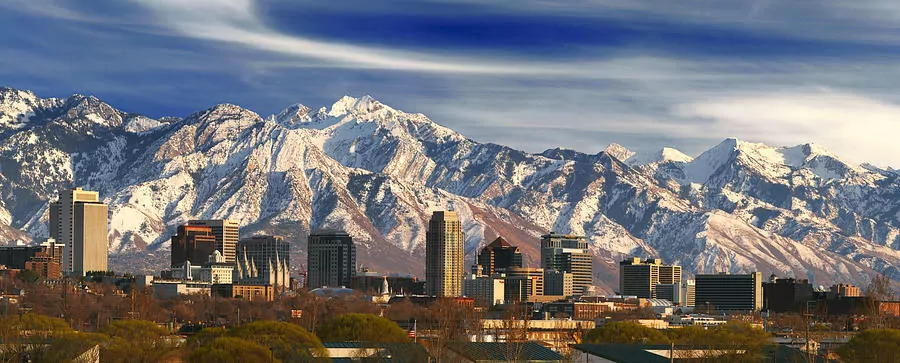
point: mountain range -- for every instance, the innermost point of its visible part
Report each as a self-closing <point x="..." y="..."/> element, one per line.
<point x="378" y="173"/>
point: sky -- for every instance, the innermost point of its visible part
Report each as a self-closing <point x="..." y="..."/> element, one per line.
<point x="530" y="74"/>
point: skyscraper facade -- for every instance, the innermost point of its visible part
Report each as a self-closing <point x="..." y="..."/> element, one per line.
<point x="192" y="243"/>
<point x="557" y="283"/>
<point x="498" y="256"/>
<point x="570" y="254"/>
<point x="444" y="256"/>
<point x="726" y="292"/>
<point x="522" y="283"/>
<point x="79" y="221"/>
<point x="264" y="260"/>
<point x="226" y="233"/>
<point x="640" y="278"/>
<point x="331" y="259"/>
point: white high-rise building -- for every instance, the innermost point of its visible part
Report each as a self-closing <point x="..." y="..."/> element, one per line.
<point x="79" y="221"/>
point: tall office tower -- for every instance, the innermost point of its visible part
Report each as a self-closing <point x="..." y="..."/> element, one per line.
<point x="498" y="256"/>
<point x="264" y="260"/>
<point x="669" y="274"/>
<point x="725" y="292"/>
<point x="192" y="243"/>
<point x="79" y="221"/>
<point x="570" y="254"/>
<point x="331" y="259"/>
<point x="557" y="283"/>
<point x="640" y="279"/>
<point x="444" y="256"/>
<point x="226" y="233"/>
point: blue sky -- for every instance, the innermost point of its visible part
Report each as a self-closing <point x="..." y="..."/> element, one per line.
<point x="527" y="74"/>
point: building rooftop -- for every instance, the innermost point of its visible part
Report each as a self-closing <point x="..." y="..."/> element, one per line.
<point x="499" y="352"/>
<point x="329" y="232"/>
<point x="499" y="243"/>
<point x="390" y="352"/>
<point x="660" y="353"/>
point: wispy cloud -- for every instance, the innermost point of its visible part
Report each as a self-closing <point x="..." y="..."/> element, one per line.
<point x="239" y="22"/>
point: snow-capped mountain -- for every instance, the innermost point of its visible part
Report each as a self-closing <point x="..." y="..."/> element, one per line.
<point x="378" y="173"/>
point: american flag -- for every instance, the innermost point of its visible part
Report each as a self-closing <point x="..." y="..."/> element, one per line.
<point x="412" y="333"/>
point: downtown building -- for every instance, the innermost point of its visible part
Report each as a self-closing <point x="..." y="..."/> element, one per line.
<point x="226" y="234"/>
<point x="498" y="256"/>
<point x="79" y="221"/>
<point x="523" y="284"/>
<point x="727" y="292"/>
<point x="681" y="294"/>
<point x="641" y="278"/>
<point x="570" y="254"/>
<point x="444" y="255"/>
<point x="486" y="290"/>
<point x="331" y="259"/>
<point x="558" y="283"/>
<point x="44" y="259"/>
<point x="263" y="260"/>
<point x="193" y="243"/>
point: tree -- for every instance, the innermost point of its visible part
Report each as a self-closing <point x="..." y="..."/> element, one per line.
<point x="136" y="341"/>
<point x="361" y="328"/>
<point x="230" y="349"/>
<point x="66" y="347"/>
<point x="28" y="334"/>
<point x="28" y="276"/>
<point x="734" y="341"/>
<point x="875" y="346"/>
<point x="625" y="332"/>
<point x="205" y="336"/>
<point x="879" y="289"/>
<point x="288" y="342"/>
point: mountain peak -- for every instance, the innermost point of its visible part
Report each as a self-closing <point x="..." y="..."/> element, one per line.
<point x="294" y="116"/>
<point x="618" y="151"/>
<point x="663" y="155"/>
<point x="359" y="106"/>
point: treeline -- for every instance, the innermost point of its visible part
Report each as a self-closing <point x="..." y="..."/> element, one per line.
<point x="37" y="338"/>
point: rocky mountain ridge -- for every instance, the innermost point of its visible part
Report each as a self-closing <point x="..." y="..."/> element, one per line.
<point x="378" y="173"/>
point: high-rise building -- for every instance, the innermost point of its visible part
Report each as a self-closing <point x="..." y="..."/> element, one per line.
<point x="522" y="283"/>
<point x="264" y="260"/>
<point x="726" y="292"/>
<point x="192" y="243"/>
<point x="558" y="283"/>
<point x="570" y="254"/>
<point x="331" y="259"/>
<point x="787" y="295"/>
<point x="79" y="221"/>
<point x="486" y="290"/>
<point x="681" y="294"/>
<point x="637" y="278"/>
<point x="498" y="256"/>
<point x="668" y="274"/>
<point x="444" y="255"/>
<point x="226" y="232"/>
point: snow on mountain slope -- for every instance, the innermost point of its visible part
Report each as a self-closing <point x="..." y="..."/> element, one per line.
<point x="663" y="155"/>
<point x="379" y="172"/>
